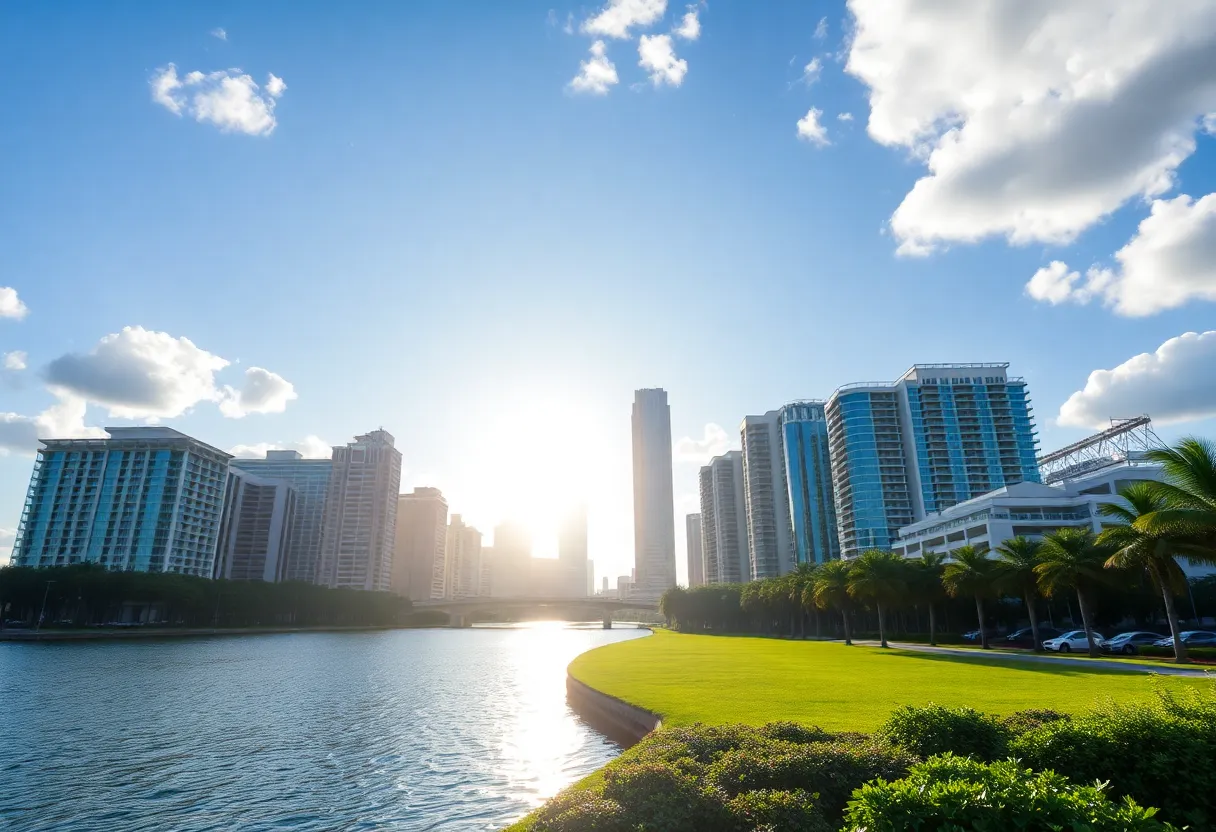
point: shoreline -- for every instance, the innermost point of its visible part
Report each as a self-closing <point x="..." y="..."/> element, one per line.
<point x="624" y="724"/>
<point x="100" y="634"/>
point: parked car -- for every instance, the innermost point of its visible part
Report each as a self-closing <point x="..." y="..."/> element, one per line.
<point x="974" y="635"/>
<point x="1191" y="638"/>
<point x="1025" y="637"/>
<point x="1072" y="640"/>
<point x="1129" y="643"/>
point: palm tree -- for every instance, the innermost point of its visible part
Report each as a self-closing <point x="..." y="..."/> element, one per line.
<point x="880" y="577"/>
<point x="1189" y="492"/>
<point x="926" y="580"/>
<point x="831" y="589"/>
<point x="969" y="572"/>
<point x="1153" y="552"/>
<point x="1073" y="559"/>
<point x="1015" y="563"/>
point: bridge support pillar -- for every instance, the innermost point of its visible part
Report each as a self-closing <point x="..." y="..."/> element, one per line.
<point x="607" y="621"/>
<point x="457" y="620"/>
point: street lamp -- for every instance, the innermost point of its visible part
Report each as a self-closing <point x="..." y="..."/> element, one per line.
<point x="42" y="612"/>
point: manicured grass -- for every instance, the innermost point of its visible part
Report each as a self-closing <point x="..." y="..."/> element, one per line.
<point x="722" y="679"/>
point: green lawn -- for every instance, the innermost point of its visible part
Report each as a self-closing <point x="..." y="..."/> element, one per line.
<point x="718" y="679"/>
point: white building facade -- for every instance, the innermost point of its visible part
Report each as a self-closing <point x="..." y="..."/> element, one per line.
<point x="361" y="513"/>
<point x="770" y="540"/>
<point x="654" y="529"/>
<point x="696" y="550"/>
<point x="724" y="520"/>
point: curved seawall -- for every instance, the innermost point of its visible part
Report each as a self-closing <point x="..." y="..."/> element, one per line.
<point x="621" y="722"/>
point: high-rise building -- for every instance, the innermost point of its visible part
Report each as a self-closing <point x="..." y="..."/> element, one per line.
<point x="512" y="577"/>
<point x="147" y="499"/>
<point x="941" y="434"/>
<point x="724" y="520"/>
<point x="808" y="474"/>
<point x="485" y="583"/>
<point x="361" y="513"/>
<point x="420" y="544"/>
<point x="462" y="560"/>
<point x="255" y="528"/>
<point x="654" y="530"/>
<point x="572" y="552"/>
<point x="696" y="558"/>
<point x="310" y="480"/>
<point x="770" y="545"/>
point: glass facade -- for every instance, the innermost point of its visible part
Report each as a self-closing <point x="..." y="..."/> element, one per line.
<point x="808" y="470"/>
<point x="310" y="480"/>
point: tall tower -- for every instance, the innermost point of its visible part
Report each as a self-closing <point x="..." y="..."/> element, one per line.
<point x="769" y="540"/>
<point x="572" y="552"/>
<point x="462" y="560"/>
<point x="255" y="528"/>
<point x="696" y="559"/>
<point x="808" y="474"/>
<point x="361" y="513"/>
<point x="724" y="520"/>
<point x="420" y="545"/>
<point x="654" y="524"/>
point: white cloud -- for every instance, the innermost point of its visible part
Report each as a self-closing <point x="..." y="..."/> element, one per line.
<point x="15" y="361"/>
<point x="810" y="72"/>
<point x="219" y="32"/>
<point x="1035" y="119"/>
<point x="229" y="99"/>
<point x="1170" y="261"/>
<point x="62" y="420"/>
<point x="7" y="538"/>
<point x="1173" y="384"/>
<point x="690" y="25"/>
<point x="657" y="55"/>
<point x="310" y="447"/>
<point x="11" y="305"/>
<point x="821" y="29"/>
<point x="263" y="392"/>
<point x="845" y="117"/>
<point x="809" y="128"/>
<point x="715" y="442"/>
<point x="568" y="28"/>
<point x="596" y="74"/>
<point x="619" y="16"/>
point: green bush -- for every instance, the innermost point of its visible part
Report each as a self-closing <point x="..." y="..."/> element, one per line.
<point x="1202" y="653"/>
<point x="793" y="732"/>
<point x="1021" y="722"/>
<point x="762" y="811"/>
<point x="829" y="769"/>
<point x="953" y="794"/>
<point x="661" y="798"/>
<point x="1161" y="753"/>
<point x="581" y="811"/>
<point x="935" y="729"/>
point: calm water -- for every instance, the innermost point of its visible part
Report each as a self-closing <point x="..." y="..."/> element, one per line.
<point x="404" y="730"/>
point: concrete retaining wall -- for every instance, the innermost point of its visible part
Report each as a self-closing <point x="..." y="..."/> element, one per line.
<point x="619" y="721"/>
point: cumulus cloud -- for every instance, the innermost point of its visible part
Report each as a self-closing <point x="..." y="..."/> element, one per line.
<point x="714" y="442"/>
<point x="658" y="56"/>
<point x="11" y="305"/>
<point x="1174" y="384"/>
<point x="62" y="420"/>
<point x="310" y="447"/>
<point x="1034" y="119"/>
<point x="15" y="361"/>
<point x="811" y="130"/>
<point x="219" y="32"/>
<point x="263" y="392"/>
<point x="821" y="29"/>
<point x="810" y="72"/>
<point x="619" y="16"/>
<point x="1170" y="261"/>
<point x="690" y="25"/>
<point x="597" y="74"/>
<point x="229" y="99"/>
<point x="844" y="117"/>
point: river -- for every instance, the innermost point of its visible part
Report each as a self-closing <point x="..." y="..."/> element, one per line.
<point x="398" y="730"/>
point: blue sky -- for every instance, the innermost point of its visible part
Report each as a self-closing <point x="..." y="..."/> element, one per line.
<point x="425" y="224"/>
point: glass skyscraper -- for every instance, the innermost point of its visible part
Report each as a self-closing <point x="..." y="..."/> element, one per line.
<point x="808" y="473"/>
<point x="148" y="499"/>
<point x="654" y="518"/>
<point x="941" y="434"/>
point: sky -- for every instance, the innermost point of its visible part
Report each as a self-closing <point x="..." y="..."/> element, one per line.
<point x="483" y="225"/>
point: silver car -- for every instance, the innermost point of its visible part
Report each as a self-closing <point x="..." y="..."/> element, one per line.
<point x="1072" y="640"/>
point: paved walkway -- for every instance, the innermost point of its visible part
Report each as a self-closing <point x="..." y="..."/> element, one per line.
<point x="998" y="655"/>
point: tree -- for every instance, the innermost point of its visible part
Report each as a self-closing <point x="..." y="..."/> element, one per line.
<point x="925" y="578"/>
<point x="1153" y="551"/>
<point x="1015" y="563"/>
<point x="970" y="572"/>
<point x="830" y="590"/>
<point x="880" y="577"/>
<point x="1189" y="492"/>
<point x="1073" y="559"/>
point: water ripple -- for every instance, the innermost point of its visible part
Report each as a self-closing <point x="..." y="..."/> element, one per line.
<point x="403" y="730"/>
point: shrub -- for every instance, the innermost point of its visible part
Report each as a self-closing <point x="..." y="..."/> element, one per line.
<point x="793" y="732"/>
<point x="580" y="811"/>
<point x="957" y="793"/>
<point x="829" y="769"/>
<point x="660" y="797"/>
<point x="1161" y="753"/>
<point x="773" y="810"/>
<point x="936" y="729"/>
<point x="1021" y="722"/>
<point x="1206" y="654"/>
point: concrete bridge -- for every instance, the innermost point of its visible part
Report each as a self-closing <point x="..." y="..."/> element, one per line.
<point x="459" y="609"/>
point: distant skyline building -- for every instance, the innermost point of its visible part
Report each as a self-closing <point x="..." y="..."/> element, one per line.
<point x="572" y="552"/>
<point x="696" y="555"/>
<point x="361" y="513"/>
<point x="808" y="474"/>
<point x="724" y="520"/>
<point x="420" y="544"/>
<point x="654" y="532"/>
<point x="147" y="499"/>
<point x="310" y="480"/>
<point x="485" y="582"/>
<point x="255" y="528"/>
<point x="766" y="497"/>
<point x="462" y="560"/>
<point x="512" y="567"/>
<point x="940" y="435"/>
